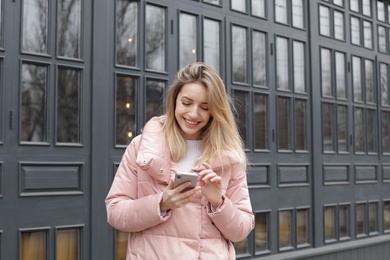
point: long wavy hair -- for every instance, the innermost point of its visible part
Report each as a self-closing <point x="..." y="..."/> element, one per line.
<point x="221" y="133"/>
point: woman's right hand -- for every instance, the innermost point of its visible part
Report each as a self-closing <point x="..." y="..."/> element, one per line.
<point x="175" y="198"/>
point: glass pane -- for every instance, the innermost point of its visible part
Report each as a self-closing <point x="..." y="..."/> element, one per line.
<point x="1" y="27"/>
<point x="360" y="219"/>
<point x="187" y="39"/>
<point x="69" y="28"/>
<point x="34" y="245"/>
<point x="367" y="34"/>
<point x="384" y="85"/>
<point x="330" y="223"/>
<point x="366" y="7"/>
<point x="302" y="226"/>
<point x="239" y="57"/>
<point x="34" y="103"/>
<point x="211" y="44"/>
<point x="285" y="229"/>
<point x="385" y="132"/>
<point x="381" y="10"/>
<point x="299" y="67"/>
<point x="261" y="231"/>
<point x="283" y="123"/>
<point x="357" y="79"/>
<point x="354" y="5"/>
<point x="340" y="75"/>
<point x="241" y="101"/>
<point x="355" y="30"/>
<point x="259" y="59"/>
<point x="324" y="21"/>
<point x="239" y="5"/>
<point x="155" y="90"/>
<point x="281" y="11"/>
<point x="373" y="217"/>
<point x="342" y="130"/>
<point x="327" y="117"/>
<point x="68" y="244"/>
<point x="121" y="241"/>
<point x="386" y="215"/>
<point x="155" y="38"/>
<point x="338" y="2"/>
<point x="35" y="26"/>
<point x="344" y="221"/>
<point x="282" y="79"/>
<point x="382" y="39"/>
<point x="258" y="8"/>
<point x="125" y="109"/>
<point x="215" y="2"/>
<point x="371" y="131"/>
<point x="358" y="123"/>
<point x="326" y="73"/>
<point x="370" y="88"/>
<point x="68" y="105"/>
<point x="126" y="33"/>
<point x="297" y="13"/>
<point x="338" y="25"/>
<point x="260" y="121"/>
<point x="241" y="247"/>
<point x="300" y="125"/>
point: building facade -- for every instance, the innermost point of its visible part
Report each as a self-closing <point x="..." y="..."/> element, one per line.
<point x="310" y="79"/>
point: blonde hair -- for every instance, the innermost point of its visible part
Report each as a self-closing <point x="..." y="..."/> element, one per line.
<point x="221" y="133"/>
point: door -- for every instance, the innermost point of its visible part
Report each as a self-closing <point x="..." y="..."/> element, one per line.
<point x="45" y="146"/>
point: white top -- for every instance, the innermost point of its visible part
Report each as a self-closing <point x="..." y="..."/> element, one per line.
<point x="193" y="153"/>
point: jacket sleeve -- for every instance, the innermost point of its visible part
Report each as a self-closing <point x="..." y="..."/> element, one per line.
<point x="125" y="211"/>
<point x="234" y="217"/>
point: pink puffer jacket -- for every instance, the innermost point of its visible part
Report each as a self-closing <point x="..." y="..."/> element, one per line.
<point x="190" y="232"/>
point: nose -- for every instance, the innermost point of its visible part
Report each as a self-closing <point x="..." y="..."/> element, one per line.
<point x="193" y="112"/>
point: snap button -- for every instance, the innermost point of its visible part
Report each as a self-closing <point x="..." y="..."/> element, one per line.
<point x="161" y="170"/>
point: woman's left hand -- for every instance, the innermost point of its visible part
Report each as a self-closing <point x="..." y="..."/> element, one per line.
<point x="211" y="185"/>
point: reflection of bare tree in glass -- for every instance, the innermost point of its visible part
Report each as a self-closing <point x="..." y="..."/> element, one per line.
<point x="68" y="111"/>
<point x="239" y="54"/>
<point x="69" y="28"/>
<point x="154" y="98"/>
<point x="125" y="110"/>
<point x="35" y="26"/>
<point x="126" y="32"/>
<point x="155" y="38"/>
<point x="33" y="110"/>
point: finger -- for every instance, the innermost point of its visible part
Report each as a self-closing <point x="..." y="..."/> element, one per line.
<point x="183" y="186"/>
<point x="206" y="165"/>
<point x="171" y="183"/>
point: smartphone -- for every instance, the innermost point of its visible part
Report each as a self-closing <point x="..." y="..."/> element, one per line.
<point x="182" y="177"/>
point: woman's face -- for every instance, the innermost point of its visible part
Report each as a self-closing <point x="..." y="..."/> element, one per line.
<point x="192" y="110"/>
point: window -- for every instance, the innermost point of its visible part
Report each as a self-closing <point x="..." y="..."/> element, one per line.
<point x="33" y="245"/>
<point x="259" y="59"/>
<point x="68" y="244"/>
<point x="282" y="59"/>
<point x="121" y="240"/>
<point x="238" y="5"/>
<point x="302" y="227"/>
<point x="262" y="234"/>
<point x="188" y="39"/>
<point x="69" y="29"/>
<point x="285" y="229"/>
<point x="258" y="8"/>
<point x="68" y="105"/>
<point x="260" y="121"/>
<point x="33" y="91"/>
<point x="344" y="232"/>
<point x="239" y="54"/>
<point x="386" y="216"/>
<point x="126" y="33"/>
<point x="241" y="99"/>
<point x="325" y="21"/>
<point x="281" y="11"/>
<point x="125" y="106"/>
<point x="155" y="90"/>
<point x="373" y="218"/>
<point x="155" y="41"/>
<point x="35" y="26"/>
<point x="361" y="220"/>
<point x="330" y="223"/>
<point x="211" y="45"/>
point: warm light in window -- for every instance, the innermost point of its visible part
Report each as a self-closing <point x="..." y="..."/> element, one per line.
<point x="193" y="51"/>
<point x="127" y="105"/>
<point x="129" y="134"/>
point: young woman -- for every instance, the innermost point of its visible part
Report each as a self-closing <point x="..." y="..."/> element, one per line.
<point x="197" y="134"/>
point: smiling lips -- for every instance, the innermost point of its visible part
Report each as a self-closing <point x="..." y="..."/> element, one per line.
<point x="191" y="124"/>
